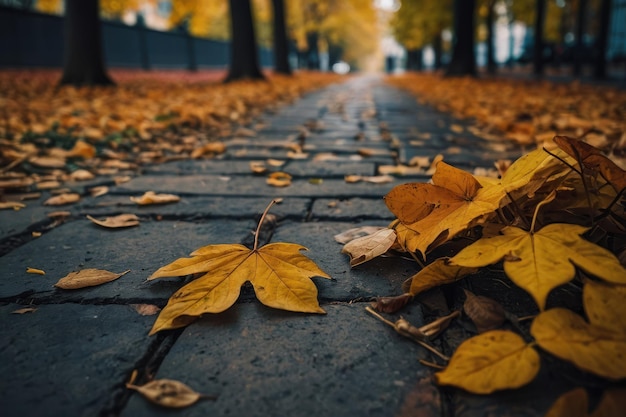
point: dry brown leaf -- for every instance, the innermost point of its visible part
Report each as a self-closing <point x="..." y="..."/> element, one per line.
<point x="275" y="162"/>
<point x="24" y="310"/>
<point x="391" y="304"/>
<point x="87" y="278"/>
<point x="99" y="191"/>
<point x="59" y="214"/>
<point x="150" y="197"/>
<point x="83" y="150"/>
<point x="377" y="179"/>
<point x="356" y="232"/>
<point x="167" y="393"/>
<point x="81" y="175"/>
<point x="146" y="309"/>
<point x="210" y="149"/>
<point x="278" y="179"/>
<point x="36" y="271"/>
<point x="48" y="185"/>
<point x="11" y="205"/>
<point x="62" y="199"/>
<point x="47" y="162"/>
<point x="121" y="179"/>
<point x="116" y="222"/>
<point x="369" y="247"/>
<point x="244" y="132"/>
<point x="258" y="167"/>
<point x="486" y="313"/>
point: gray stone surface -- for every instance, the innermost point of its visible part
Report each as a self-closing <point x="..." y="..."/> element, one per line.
<point x="26" y="219"/>
<point x="65" y="360"/>
<point x="263" y="362"/>
<point x="351" y="209"/>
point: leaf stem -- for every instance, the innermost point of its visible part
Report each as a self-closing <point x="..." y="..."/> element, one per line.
<point x="258" y="228"/>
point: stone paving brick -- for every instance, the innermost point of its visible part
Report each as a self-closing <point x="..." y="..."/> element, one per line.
<point x="64" y="360"/>
<point x="264" y="362"/>
<point x="351" y="209"/>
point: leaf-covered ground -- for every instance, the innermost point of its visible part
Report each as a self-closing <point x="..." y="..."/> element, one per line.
<point x="528" y="112"/>
<point x="146" y="118"/>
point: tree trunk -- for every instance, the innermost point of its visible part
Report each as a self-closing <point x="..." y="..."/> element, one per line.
<point x="437" y="48"/>
<point x="463" y="58"/>
<point x="281" y="46"/>
<point x="83" y="62"/>
<point x="599" y="70"/>
<point x="491" y="60"/>
<point x="414" y="60"/>
<point x="313" y="55"/>
<point x="244" y="59"/>
<point x="580" y="30"/>
<point x="540" y="17"/>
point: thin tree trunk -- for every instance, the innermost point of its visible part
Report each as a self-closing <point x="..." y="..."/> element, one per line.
<point x="437" y="48"/>
<point x="599" y="70"/>
<point x="540" y="17"/>
<point x="313" y="55"/>
<point x="491" y="60"/>
<point x="244" y="59"/>
<point x="580" y="30"/>
<point x="281" y="46"/>
<point x="463" y="57"/>
<point x="83" y="62"/>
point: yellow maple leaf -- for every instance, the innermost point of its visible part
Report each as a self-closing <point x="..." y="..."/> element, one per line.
<point x="489" y="362"/>
<point x="543" y="260"/>
<point x="591" y="348"/>
<point x="278" y="272"/>
<point x="438" y="211"/>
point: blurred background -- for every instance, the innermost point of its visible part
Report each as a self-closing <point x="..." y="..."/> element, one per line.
<point x="572" y="37"/>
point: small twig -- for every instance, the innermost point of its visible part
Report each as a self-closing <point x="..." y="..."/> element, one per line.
<point x="258" y="228"/>
<point x="407" y="334"/>
<point x="432" y="364"/>
<point x="526" y="318"/>
<point x="416" y="259"/>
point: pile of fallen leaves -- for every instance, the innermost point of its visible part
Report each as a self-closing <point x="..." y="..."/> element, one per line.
<point x="556" y="216"/>
<point x="50" y="133"/>
<point x="527" y="112"/>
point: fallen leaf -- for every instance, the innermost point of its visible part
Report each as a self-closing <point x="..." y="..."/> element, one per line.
<point x="457" y="128"/>
<point x="212" y="149"/>
<point x="167" y="393"/>
<point x="604" y="305"/>
<point x="62" y="199"/>
<point x="145" y="309"/>
<point x="376" y="179"/>
<point x="150" y="197"/>
<point x="391" y="304"/>
<point x="24" y="310"/>
<point x="35" y="234"/>
<point x="87" y="278"/>
<point x="48" y="185"/>
<point x="59" y="214"/>
<point x="369" y="247"/>
<point x="278" y="272"/>
<point x="437" y="273"/>
<point x="99" y="191"/>
<point x="258" y="167"/>
<point x="356" y="232"/>
<point x="438" y="211"/>
<point x="279" y="179"/>
<point x="119" y="221"/>
<point x="245" y="132"/>
<point x="591" y="348"/>
<point x="486" y="313"/>
<point x="15" y="205"/>
<point x="575" y="403"/>
<point x="490" y="362"/>
<point x="81" y="175"/>
<point x="83" y="150"/>
<point x="544" y="259"/>
<point x="47" y="162"/>
<point x="30" y="270"/>
<point x="275" y="162"/>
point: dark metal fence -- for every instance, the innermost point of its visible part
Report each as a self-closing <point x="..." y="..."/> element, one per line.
<point x="29" y="39"/>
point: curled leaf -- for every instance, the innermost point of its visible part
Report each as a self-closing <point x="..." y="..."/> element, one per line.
<point x="279" y="179"/>
<point x="391" y="304"/>
<point x="116" y="222"/>
<point x="30" y="270"/>
<point x="356" y="232"/>
<point x="62" y="199"/>
<point x="150" y="197"/>
<point x="24" y="310"/>
<point x="369" y="247"/>
<point x="490" y="362"/>
<point x="211" y="149"/>
<point x="81" y="175"/>
<point x="87" y="278"/>
<point x="167" y="393"/>
<point x="485" y="313"/>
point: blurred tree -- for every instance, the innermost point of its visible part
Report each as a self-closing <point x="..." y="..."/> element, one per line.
<point x="281" y="46"/>
<point x="48" y="6"/>
<point x="201" y="18"/>
<point x="463" y="57"/>
<point x="540" y="17"/>
<point x="421" y="22"/>
<point x="599" y="70"/>
<point x="244" y="61"/>
<point x="115" y="9"/>
<point x="83" y="62"/>
<point x="580" y="30"/>
<point x="487" y="11"/>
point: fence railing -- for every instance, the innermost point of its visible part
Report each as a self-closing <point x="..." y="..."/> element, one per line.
<point x="29" y="39"/>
